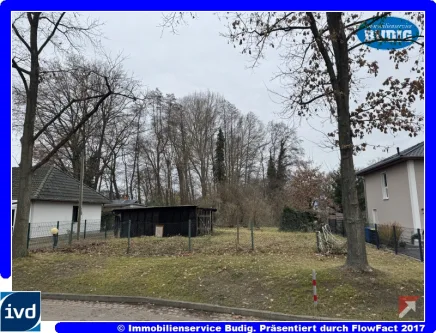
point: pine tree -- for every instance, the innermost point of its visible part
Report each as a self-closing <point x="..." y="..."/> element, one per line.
<point x="281" y="165"/>
<point x="219" y="168"/>
<point x="271" y="174"/>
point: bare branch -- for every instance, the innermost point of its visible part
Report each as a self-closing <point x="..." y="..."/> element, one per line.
<point x="21" y="38"/>
<point x="408" y="39"/>
<point x="74" y="130"/>
<point x="20" y="72"/>
<point x="368" y="21"/>
<point x="56" y="25"/>
<point x="322" y="49"/>
<point x="59" y="114"/>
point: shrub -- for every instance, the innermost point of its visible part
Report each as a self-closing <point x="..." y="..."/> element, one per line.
<point x="107" y="221"/>
<point x="386" y="234"/>
<point x="293" y="220"/>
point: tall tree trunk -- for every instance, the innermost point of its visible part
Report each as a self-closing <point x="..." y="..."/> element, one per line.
<point x="191" y="182"/>
<point x="182" y="184"/>
<point x="97" y="172"/>
<point x="169" y="181"/>
<point x="19" y="243"/>
<point x="356" y="258"/>
<point x="126" y="178"/>
<point x="132" y="177"/>
<point x="114" y="179"/>
<point x="138" y="180"/>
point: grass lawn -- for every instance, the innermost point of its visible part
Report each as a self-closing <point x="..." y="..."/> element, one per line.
<point x="277" y="276"/>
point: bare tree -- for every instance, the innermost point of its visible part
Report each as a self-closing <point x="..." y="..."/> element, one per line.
<point x="202" y="113"/>
<point x="32" y="33"/>
<point x="323" y="59"/>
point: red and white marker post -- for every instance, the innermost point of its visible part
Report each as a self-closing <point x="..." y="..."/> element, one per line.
<point x="315" y="296"/>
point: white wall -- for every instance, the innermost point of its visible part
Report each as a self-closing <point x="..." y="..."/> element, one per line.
<point x="44" y="215"/>
<point x="419" y="171"/>
<point x="398" y="207"/>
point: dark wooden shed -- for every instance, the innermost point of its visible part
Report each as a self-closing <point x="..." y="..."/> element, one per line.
<point x="174" y="219"/>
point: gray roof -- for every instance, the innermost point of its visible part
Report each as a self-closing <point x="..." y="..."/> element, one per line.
<point x="415" y="152"/>
<point x="51" y="184"/>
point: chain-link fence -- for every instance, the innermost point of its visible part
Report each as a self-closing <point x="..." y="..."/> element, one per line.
<point x="239" y="239"/>
<point x="66" y="233"/>
<point x="401" y="240"/>
<point x="145" y="239"/>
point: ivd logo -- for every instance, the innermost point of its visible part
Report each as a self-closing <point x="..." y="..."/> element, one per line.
<point x="20" y="311"/>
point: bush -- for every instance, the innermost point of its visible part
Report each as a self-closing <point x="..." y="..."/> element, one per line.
<point x="294" y="220"/>
<point x="107" y="221"/>
<point x="386" y="234"/>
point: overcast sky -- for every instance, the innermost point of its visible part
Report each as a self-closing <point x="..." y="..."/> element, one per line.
<point x="198" y="58"/>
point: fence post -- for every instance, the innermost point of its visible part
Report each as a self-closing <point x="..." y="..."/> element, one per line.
<point x="395" y="239"/>
<point x="128" y="236"/>
<point x="189" y="235"/>
<point x="252" y="235"/>
<point x="84" y="231"/>
<point x="377" y="239"/>
<point x="70" y="238"/>
<point x="28" y="236"/>
<point x="421" y="252"/>
<point x="317" y="241"/>
<point x="343" y="228"/>
<point x="105" y="229"/>
<point x="237" y="235"/>
<point x="336" y="226"/>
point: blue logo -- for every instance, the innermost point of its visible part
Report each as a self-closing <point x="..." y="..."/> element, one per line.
<point x="388" y="33"/>
<point x="20" y="311"/>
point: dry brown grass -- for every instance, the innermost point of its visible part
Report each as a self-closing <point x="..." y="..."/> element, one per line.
<point x="276" y="276"/>
<point x="386" y="233"/>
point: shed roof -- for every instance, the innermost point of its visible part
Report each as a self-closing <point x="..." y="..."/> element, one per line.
<point x="51" y="184"/>
<point x="414" y="152"/>
<point x="165" y="207"/>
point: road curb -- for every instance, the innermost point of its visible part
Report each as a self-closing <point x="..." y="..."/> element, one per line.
<point x="276" y="316"/>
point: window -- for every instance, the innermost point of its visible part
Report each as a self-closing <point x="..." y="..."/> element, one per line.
<point x="385" y="186"/>
<point x="75" y="213"/>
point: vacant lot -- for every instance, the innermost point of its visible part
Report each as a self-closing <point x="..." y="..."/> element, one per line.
<point x="276" y="276"/>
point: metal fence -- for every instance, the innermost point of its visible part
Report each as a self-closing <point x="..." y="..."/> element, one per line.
<point x="58" y="234"/>
<point x="238" y="239"/>
<point x="219" y="240"/>
<point x="401" y="240"/>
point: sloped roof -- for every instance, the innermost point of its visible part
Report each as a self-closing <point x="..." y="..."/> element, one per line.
<point x="414" y="152"/>
<point x="51" y="184"/>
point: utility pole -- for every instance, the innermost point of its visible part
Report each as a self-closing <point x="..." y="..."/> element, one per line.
<point x="82" y="174"/>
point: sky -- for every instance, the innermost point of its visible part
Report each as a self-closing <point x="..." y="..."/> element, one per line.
<point x="197" y="58"/>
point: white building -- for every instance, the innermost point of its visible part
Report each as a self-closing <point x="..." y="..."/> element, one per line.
<point x="55" y="202"/>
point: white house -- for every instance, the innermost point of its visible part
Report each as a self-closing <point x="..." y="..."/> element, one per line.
<point x="394" y="189"/>
<point x="55" y="202"/>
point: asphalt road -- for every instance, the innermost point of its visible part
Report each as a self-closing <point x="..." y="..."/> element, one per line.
<point x="56" y="310"/>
